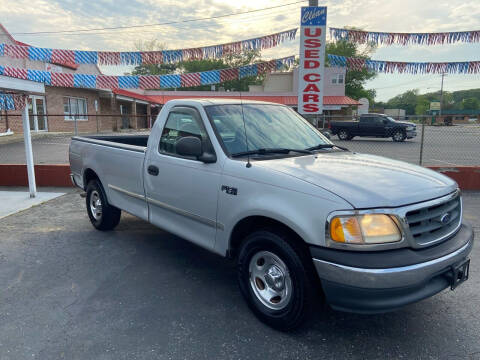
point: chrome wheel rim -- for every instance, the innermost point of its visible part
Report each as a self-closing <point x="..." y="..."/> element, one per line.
<point x="343" y="135"/>
<point x="398" y="135"/>
<point x="270" y="280"/>
<point x="95" y="205"/>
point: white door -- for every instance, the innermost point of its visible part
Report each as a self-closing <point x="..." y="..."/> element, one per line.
<point x="182" y="192"/>
<point x="37" y="113"/>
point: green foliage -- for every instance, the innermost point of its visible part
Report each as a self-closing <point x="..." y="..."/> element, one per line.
<point x="406" y="101"/>
<point x="156" y="69"/>
<point x="422" y="106"/>
<point x="414" y="103"/>
<point x="355" y="79"/>
<point x="470" y="104"/>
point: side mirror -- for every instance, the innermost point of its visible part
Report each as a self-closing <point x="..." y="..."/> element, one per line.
<point x="192" y="146"/>
<point x="326" y="134"/>
<point x="189" y="146"/>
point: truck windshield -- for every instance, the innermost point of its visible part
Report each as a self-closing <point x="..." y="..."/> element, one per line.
<point x="267" y="127"/>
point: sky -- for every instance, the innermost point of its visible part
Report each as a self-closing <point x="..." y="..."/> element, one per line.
<point x="20" y="16"/>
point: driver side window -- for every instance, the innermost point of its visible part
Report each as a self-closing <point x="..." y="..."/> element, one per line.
<point x="182" y="122"/>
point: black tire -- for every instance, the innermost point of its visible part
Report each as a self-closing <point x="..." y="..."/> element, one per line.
<point x="303" y="282"/>
<point x="399" y="136"/>
<point x="109" y="216"/>
<point x="343" y="134"/>
<point x="350" y="137"/>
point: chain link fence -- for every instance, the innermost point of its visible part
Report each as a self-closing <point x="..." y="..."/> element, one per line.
<point x="441" y="145"/>
<point x="452" y="142"/>
<point x="51" y="135"/>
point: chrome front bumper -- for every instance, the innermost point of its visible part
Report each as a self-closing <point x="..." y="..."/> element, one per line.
<point x="381" y="278"/>
<point x="376" y="289"/>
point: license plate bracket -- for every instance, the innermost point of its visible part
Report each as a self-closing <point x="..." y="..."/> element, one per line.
<point x="460" y="272"/>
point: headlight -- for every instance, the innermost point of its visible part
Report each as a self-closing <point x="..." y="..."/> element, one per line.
<point x="410" y="128"/>
<point x="364" y="229"/>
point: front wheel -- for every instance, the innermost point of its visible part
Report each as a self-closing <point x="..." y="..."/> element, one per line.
<point x="275" y="279"/>
<point x="399" y="136"/>
<point x="102" y="215"/>
<point x="344" y="135"/>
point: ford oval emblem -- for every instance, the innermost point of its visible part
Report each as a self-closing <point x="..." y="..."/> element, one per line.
<point x="445" y="219"/>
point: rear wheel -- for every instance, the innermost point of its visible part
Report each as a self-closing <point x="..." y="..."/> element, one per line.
<point x="399" y="136"/>
<point x="275" y="279"/>
<point x="102" y="215"/>
<point x="344" y="135"/>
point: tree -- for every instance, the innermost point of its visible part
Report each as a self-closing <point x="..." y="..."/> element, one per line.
<point x="229" y="61"/>
<point x="246" y="57"/>
<point x="406" y="101"/>
<point x="355" y="79"/>
<point x="470" y="104"/>
<point x="152" y="69"/>
<point x="423" y="105"/>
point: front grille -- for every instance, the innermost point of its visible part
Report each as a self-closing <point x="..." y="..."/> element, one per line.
<point x="433" y="223"/>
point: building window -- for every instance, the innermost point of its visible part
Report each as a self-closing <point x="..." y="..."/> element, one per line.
<point x="75" y="108"/>
<point x="337" y="79"/>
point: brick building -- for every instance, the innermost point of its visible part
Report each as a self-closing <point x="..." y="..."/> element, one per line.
<point x="58" y="107"/>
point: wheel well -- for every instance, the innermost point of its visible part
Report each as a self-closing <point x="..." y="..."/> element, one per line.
<point x="89" y="175"/>
<point x="253" y="223"/>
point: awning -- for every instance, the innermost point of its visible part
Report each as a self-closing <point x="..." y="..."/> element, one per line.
<point x="279" y="99"/>
<point x="134" y="96"/>
<point x="21" y="86"/>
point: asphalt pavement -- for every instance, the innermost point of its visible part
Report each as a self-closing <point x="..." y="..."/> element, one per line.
<point x="68" y="291"/>
<point x="444" y="146"/>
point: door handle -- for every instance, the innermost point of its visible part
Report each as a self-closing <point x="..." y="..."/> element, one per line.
<point x="152" y="170"/>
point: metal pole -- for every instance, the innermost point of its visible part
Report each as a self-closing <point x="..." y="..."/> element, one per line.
<point x="422" y="141"/>
<point x="312" y="2"/>
<point x="441" y="96"/>
<point x="28" y="152"/>
<point x="75" y="130"/>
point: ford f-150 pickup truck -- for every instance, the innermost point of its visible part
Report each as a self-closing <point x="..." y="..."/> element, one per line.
<point x="305" y="220"/>
<point x="374" y="125"/>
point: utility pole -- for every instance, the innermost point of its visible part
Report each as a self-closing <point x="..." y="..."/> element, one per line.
<point x="312" y="2"/>
<point x="441" y="95"/>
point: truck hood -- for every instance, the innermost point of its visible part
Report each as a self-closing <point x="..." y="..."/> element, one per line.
<point x="365" y="181"/>
<point x="406" y="123"/>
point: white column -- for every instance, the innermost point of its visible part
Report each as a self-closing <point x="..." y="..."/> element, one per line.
<point x="28" y="151"/>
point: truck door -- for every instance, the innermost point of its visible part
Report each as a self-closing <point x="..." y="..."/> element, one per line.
<point x="371" y="125"/>
<point x="182" y="192"/>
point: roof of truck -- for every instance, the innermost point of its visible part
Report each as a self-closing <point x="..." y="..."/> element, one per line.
<point x="223" y="101"/>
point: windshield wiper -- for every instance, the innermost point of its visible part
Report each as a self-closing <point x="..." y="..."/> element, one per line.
<point x="326" y="146"/>
<point x="271" y="151"/>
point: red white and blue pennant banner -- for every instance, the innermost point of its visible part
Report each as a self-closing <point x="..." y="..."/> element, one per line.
<point x="390" y="38"/>
<point x="91" y="81"/>
<point x="352" y="63"/>
<point x="12" y="101"/>
<point x="76" y="57"/>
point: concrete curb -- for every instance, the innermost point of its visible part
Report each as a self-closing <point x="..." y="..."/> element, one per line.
<point x="467" y="177"/>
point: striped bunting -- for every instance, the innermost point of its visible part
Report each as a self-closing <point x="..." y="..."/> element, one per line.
<point x="62" y="56"/>
<point x="92" y="81"/>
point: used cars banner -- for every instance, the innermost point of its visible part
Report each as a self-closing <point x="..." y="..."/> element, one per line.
<point x="312" y="59"/>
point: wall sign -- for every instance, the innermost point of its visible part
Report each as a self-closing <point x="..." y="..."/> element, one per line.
<point x="312" y="59"/>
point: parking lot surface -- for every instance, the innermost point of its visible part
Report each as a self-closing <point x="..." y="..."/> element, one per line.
<point x="452" y="145"/>
<point x="68" y="291"/>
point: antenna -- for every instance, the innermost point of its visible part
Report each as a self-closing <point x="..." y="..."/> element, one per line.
<point x="249" y="165"/>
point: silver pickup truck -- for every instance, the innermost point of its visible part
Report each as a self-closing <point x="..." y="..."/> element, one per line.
<point x="305" y="220"/>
